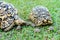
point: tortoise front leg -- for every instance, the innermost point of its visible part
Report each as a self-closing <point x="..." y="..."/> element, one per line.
<point x="10" y="27"/>
<point x="19" y="22"/>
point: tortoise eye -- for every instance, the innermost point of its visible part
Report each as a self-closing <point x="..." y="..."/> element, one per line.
<point x="4" y="19"/>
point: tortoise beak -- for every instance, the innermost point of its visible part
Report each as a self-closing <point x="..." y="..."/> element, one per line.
<point x="0" y="22"/>
<point x="0" y="19"/>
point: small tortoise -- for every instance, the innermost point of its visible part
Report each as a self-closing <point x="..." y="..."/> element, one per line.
<point x="9" y="17"/>
<point x="40" y="16"/>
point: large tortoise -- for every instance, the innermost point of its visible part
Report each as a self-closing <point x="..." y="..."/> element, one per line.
<point x="9" y="17"/>
<point x="40" y="16"/>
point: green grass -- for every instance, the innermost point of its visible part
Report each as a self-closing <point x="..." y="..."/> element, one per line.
<point x="27" y="33"/>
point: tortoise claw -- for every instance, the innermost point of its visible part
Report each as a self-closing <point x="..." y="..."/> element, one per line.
<point x="18" y="28"/>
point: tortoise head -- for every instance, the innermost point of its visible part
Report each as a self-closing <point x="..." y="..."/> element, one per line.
<point x="2" y="18"/>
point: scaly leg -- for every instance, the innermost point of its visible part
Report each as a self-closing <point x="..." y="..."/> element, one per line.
<point x="10" y="27"/>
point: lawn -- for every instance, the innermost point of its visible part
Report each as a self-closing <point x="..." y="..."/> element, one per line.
<point x="27" y="33"/>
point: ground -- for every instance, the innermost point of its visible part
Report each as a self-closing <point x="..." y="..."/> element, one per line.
<point x="27" y="33"/>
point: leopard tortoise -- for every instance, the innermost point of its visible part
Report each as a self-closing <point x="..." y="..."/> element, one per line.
<point x="40" y="16"/>
<point x="9" y="17"/>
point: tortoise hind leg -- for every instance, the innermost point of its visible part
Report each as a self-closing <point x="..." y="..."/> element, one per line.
<point x="30" y="24"/>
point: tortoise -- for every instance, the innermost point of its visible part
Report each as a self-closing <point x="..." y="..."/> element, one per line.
<point x="40" y="15"/>
<point x="9" y="17"/>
